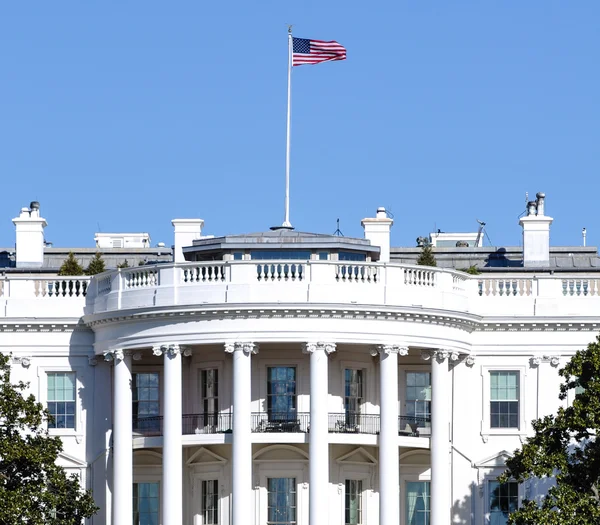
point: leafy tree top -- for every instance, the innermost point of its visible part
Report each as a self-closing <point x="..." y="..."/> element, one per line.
<point x="96" y="265"/>
<point x="70" y="266"/>
<point x="33" y="488"/>
<point x="426" y="257"/>
<point x="565" y="446"/>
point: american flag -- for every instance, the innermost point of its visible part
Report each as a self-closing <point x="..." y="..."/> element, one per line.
<point x="315" y="51"/>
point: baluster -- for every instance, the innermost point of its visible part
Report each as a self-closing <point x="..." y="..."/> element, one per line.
<point x="578" y="287"/>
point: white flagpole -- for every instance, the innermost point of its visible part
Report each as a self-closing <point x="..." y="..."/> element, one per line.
<point x="286" y="222"/>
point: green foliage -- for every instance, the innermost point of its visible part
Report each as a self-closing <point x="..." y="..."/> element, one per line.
<point x="471" y="270"/>
<point x="33" y="489"/>
<point x="426" y="257"/>
<point x="96" y="265"/>
<point x="565" y="446"/>
<point x="124" y="264"/>
<point x="70" y="266"/>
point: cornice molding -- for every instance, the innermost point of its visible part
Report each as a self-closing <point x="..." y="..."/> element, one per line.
<point x="462" y="321"/>
<point x="24" y="325"/>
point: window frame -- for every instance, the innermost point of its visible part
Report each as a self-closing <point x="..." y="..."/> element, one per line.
<point x="370" y="402"/>
<point x="142" y="370"/>
<point x="42" y="396"/>
<point x="302" y="386"/>
<point x="411" y="472"/>
<point x="282" y="470"/>
<point x="486" y="429"/>
<point x="296" y="388"/>
<point x="224" y="400"/>
<point x="139" y="480"/>
<point x="486" y="494"/>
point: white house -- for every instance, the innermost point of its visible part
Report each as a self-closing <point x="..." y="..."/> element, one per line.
<point x="284" y="378"/>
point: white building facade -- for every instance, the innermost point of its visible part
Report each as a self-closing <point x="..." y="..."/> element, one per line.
<point x="284" y="378"/>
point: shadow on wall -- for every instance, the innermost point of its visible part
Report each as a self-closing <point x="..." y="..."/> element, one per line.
<point x="463" y="511"/>
<point x="499" y="259"/>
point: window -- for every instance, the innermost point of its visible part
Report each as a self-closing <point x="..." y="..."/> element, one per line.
<point x="210" y="395"/>
<point x="353" y="502"/>
<point x="351" y="256"/>
<point x="281" y="506"/>
<point x="238" y="256"/>
<point x="61" y="399"/>
<point x="323" y="256"/>
<point x="504" y="399"/>
<point x="145" y="504"/>
<point x="504" y="499"/>
<point x="145" y="402"/>
<point x="418" y="397"/>
<point x="281" y="393"/>
<point x="353" y="395"/>
<point x="210" y="502"/>
<point x="279" y="255"/>
<point x="418" y="501"/>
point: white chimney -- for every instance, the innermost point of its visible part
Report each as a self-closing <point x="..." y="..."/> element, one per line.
<point x="30" y="237"/>
<point x="377" y="231"/>
<point x="186" y="231"/>
<point x="536" y="234"/>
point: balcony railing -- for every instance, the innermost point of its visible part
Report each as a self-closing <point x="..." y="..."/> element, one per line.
<point x="349" y="423"/>
<point x="280" y="421"/>
<point x="191" y="424"/>
<point x="342" y="423"/>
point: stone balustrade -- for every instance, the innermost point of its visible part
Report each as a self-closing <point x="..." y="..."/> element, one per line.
<point x="299" y="283"/>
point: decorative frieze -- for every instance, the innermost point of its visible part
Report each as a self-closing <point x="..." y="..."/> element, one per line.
<point x="537" y="360"/>
<point x="25" y="362"/>
<point x="440" y="355"/>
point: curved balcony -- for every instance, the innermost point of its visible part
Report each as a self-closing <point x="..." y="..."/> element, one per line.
<point x="299" y="422"/>
<point x="293" y="282"/>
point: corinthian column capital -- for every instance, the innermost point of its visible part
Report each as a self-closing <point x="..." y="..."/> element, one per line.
<point x="243" y="346"/>
<point x="327" y="347"/>
<point x="388" y="349"/>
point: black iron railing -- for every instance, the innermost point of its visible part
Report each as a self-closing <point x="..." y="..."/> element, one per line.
<point x="352" y="423"/>
<point x="342" y="423"/>
<point x="280" y="422"/>
<point x="410" y="425"/>
<point x="191" y="424"/>
<point x="206" y="424"/>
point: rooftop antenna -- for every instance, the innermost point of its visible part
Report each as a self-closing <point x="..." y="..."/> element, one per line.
<point x="338" y="232"/>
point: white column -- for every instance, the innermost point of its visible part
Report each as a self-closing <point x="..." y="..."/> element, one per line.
<point x="122" y="494"/>
<point x="440" y="435"/>
<point x="389" y="467"/>
<point x="241" y="467"/>
<point x="171" y="503"/>
<point x="318" y="448"/>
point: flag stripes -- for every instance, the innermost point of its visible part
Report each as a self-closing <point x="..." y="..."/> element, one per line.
<point x="307" y="51"/>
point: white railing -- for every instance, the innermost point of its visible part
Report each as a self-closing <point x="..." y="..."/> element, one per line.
<point x="203" y="273"/>
<point x="581" y="287"/>
<point x="297" y="282"/>
<point x="357" y="273"/>
<point x="280" y="271"/>
<point x="140" y="278"/>
<point x="505" y="287"/>
<point x="420" y="276"/>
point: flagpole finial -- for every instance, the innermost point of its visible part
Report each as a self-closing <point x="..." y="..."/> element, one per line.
<point x="290" y="28"/>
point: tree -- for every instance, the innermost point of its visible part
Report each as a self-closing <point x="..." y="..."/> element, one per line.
<point x="565" y="447"/>
<point x="426" y="257"/>
<point x="70" y="266"/>
<point x="34" y="490"/>
<point x="124" y="264"/>
<point x="96" y="265"/>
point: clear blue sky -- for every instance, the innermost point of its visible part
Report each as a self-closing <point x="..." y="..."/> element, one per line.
<point x="124" y="115"/>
